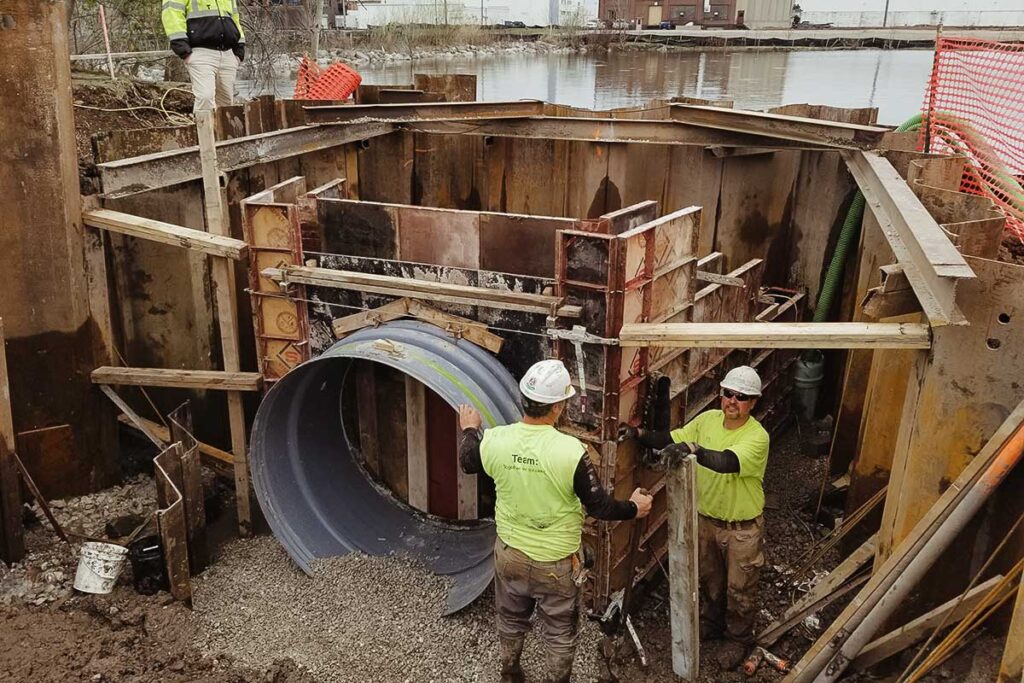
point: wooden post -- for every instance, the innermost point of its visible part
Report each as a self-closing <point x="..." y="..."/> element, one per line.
<point x="227" y="314"/>
<point x="682" y="569"/>
<point x="467" y="486"/>
<point x="1012" y="667"/>
<point x="12" y="533"/>
<point x="416" y="441"/>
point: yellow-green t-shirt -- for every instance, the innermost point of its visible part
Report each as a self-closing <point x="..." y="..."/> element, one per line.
<point x="536" y="510"/>
<point x="729" y="497"/>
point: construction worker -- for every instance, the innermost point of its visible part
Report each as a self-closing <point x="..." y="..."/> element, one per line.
<point x="208" y="36"/>
<point x="543" y="479"/>
<point x="731" y="450"/>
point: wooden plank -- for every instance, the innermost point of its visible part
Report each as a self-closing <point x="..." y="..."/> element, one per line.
<point x="416" y="443"/>
<point x="828" y="585"/>
<point x="1011" y="668"/>
<point x="455" y="87"/>
<point x="125" y="177"/>
<point x="427" y="111"/>
<point x="900" y="639"/>
<point x="456" y="325"/>
<point x="366" y="398"/>
<point x="708" y="276"/>
<point x="598" y="130"/>
<point x="421" y="289"/>
<point x="682" y="569"/>
<point x="166" y="233"/>
<point x="798" y="128"/>
<point x="830" y="643"/>
<point x="373" y="317"/>
<point x="217" y="460"/>
<point x="778" y="335"/>
<point x="929" y="259"/>
<point x="12" y="533"/>
<point x="184" y="379"/>
<point x="135" y="419"/>
<point x="227" y="312"/>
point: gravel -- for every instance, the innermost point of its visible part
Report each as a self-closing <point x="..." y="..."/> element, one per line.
<point x="358" y="618"/>
<point x="46" y="574"/>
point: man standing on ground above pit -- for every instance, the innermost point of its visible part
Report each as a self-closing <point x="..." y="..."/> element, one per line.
<point x="731" y="449"/>
<point x="208" y="36"/>
<point x="543" y="479"/>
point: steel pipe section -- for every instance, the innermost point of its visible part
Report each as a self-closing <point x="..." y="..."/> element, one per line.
<point x="317" y="497"/>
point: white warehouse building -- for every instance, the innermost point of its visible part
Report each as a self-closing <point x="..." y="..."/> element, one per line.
<point x="873" y="13"/>
<point x="529" y="12"/>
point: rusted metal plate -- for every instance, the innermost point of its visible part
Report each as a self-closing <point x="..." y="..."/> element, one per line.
<point x="171" y="524"/>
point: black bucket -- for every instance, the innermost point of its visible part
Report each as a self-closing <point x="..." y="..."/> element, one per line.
<point x="149" y="572"/>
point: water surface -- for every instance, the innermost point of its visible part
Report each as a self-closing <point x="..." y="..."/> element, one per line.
<point x="892" y="80"/>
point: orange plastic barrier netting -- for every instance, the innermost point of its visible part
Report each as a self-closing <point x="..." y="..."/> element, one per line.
<point x="975" y="106"/>
<point x="336" y="82"/>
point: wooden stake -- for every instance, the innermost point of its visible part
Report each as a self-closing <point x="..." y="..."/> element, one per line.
<point x="227" y="315"/>
<point x="682" y="569"/>
<point x="416" y="440"/>
<point x="12" y="533"/>
<point x="1012" y="667"/>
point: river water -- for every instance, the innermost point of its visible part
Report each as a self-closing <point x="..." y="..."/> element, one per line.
<point x="892" y="80"/>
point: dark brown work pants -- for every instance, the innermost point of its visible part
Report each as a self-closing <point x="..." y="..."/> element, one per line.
<point x="522" y="584"/>
<point x="730" y="560"/>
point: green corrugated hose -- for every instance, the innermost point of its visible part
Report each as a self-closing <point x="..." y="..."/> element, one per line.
<point x="847" y="237"/>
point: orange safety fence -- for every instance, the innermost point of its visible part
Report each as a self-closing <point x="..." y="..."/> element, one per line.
<point x="975" y="107"/>
<point x="336" y="82"/>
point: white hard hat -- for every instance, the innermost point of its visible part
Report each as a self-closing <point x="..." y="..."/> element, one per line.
<point x="547" y="382"/>
<point x="743" y="379"/>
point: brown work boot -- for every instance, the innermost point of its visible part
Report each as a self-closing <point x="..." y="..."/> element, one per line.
<point x="511" y="651"/>
<point x="559" y="668"/>
<point x="731" y="655"/>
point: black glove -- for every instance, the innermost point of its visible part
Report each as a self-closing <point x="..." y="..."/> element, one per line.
<point x="239" y="51"/>
<point x="627" y="432"/>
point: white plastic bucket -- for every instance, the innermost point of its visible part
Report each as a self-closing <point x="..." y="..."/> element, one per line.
<point x="99" y="565"/>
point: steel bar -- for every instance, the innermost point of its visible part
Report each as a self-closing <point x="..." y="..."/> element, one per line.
<point x="133" y="175"/>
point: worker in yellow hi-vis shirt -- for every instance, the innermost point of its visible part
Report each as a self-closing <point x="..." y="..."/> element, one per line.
<point x="208" y="36"/>
<point x="543" y="480"/>
<point x="731" y="448"/>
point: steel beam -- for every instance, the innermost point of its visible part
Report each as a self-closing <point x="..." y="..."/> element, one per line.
<point x="423" y="111"/>
<point x="152" y="171"/>
<point x="604" y="130"/>
<point x="799" y="128"/>
<point x="929" y="260"/>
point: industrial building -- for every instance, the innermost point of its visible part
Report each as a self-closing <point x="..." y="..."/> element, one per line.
<point x="872" y="13"/>
<point x="755" y="14"/>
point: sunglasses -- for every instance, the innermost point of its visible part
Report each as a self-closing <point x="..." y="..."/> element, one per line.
<point x="729" y="393"/>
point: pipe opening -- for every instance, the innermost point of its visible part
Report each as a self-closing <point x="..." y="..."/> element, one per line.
<point x="308" y="448"/>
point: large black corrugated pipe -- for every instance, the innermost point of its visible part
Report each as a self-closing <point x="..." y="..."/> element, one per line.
<point x="318" y="499"/>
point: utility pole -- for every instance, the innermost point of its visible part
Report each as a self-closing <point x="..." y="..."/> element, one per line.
<point x="885" y="14"/>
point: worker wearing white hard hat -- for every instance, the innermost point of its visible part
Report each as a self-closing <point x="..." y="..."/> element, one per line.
<point x="543" y="480"/>
<point x="731" y="449"/>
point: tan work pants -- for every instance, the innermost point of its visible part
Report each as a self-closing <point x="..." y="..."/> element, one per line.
<point x="522" y="584"/>
<point x="213" y="77"/>
<point x="729" y="562"/>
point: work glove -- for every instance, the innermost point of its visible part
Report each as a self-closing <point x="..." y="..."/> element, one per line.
<point x="674" y="455"/>
<point x="627" y="432"/>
